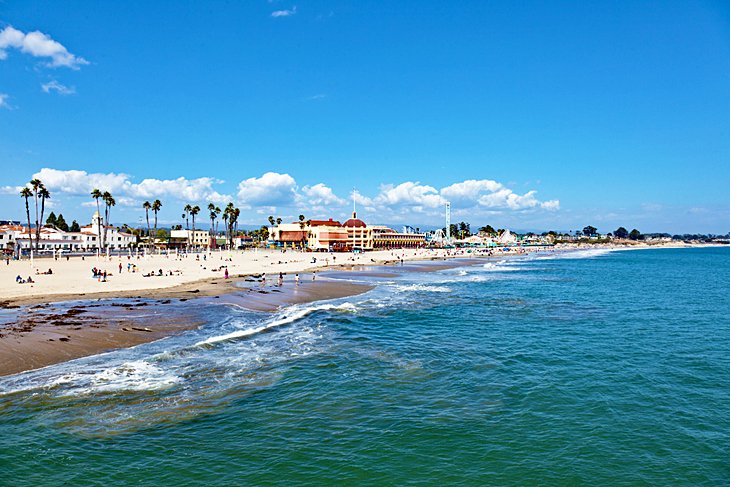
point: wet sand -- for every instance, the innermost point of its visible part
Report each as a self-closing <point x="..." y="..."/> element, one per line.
<point x="33" y="336"/>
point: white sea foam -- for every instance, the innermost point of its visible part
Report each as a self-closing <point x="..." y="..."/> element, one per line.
<point x="288" y="316"/>
<point x="423" y="288"/>
<point x="576" y="254"/>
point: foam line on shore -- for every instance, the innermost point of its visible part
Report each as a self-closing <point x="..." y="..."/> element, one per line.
<point x="285" y="319"/>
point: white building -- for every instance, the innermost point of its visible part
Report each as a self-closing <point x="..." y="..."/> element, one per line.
<point x="52" y="238"/>
<point x="195" y="239"/>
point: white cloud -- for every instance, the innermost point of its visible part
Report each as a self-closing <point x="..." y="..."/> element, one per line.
<point x="320" y="194"/>
<point x="318" y="96"/>
<point x="271" y="189"/>
<point x="409" y="193"/>
<point x="38" y="44"/>
<point x="466" y="192"/>
<point x="54" y="85"/>
<point x="4" y="100"/>
<point x="360" y="199"/>
<point x="80" y="183"/>
<point x="284" y="13"/>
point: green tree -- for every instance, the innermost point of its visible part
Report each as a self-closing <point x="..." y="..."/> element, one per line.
<point x="589" y="231"/>
<point x="621" y="232"/>
<point x="635" y="234"/>
<point x="51" y="220"/>
<point x="75" y="227"/>
<point x="61" y="223"/>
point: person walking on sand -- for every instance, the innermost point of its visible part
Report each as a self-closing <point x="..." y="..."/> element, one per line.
<point x="226" y="273"/>
<point x="296" y="279"/>
<point x="120" y="267"/>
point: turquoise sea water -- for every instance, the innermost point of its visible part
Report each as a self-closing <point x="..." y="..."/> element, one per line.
<point x="590" y="368"/>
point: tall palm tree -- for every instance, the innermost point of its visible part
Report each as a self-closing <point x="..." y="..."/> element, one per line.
<point x="217" y="212"/>
<point x="301" y="222"/>
<point x="225" y="220"/>
<point x="187" y="212"/>
<point x="96" y="194"/>
<point x="27" y="193"/>
<point x="147" y="206"/>
<point x="109" y="201"/>
<point x="194" y="211"/>
<point x="211" y="210"/>
<point x="36" y="186"/>
<point x="156" y="207"/>
<point x="44" y="194"/>
<point x="278" y="221"/>
<point x="271" y="220"/>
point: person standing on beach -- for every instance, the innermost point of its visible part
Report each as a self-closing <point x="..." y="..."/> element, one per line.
<point x="120" y="267"/>
<point x="296" y="279"/>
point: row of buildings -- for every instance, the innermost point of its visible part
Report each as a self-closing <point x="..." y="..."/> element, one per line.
<point x="15" y="237"/>
<point x="352" y="235"/>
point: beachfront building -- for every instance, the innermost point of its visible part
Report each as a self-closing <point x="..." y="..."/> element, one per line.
<point x="54" y="239"/>
<point x="387" y="238"/>
<point x="331" y="235"/>
<point x="327" y="235"/>
<point x="359" y="234"/>
<point x="9" y="234"/>
<point x="198" y="239"/>
<point x="115" y="238"/>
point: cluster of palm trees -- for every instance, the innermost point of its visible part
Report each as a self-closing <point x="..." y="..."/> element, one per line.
<point x="38" y="192"/>
<point x="109" y="201"/>
<point x="230" y="218"/>
<point x="155" y="206"/>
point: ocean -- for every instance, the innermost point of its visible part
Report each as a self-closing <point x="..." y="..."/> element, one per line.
<point x="592" y="367"/>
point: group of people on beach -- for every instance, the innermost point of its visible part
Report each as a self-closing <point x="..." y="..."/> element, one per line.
<point x="20" y="280"/>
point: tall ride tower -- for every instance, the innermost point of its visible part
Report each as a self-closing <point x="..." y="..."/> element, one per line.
<point x="448" y="221"/>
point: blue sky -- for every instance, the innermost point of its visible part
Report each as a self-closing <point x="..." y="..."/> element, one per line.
<point x="531" y="115"/>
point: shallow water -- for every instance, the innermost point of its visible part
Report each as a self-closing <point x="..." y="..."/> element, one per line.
<point x="601" y="368"/>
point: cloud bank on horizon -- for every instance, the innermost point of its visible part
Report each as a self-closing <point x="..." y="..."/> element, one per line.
<point x="276" y="193"/>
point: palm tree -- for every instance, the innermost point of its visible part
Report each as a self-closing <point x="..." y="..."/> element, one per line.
<point x="278" y="221"/>
<point x="109" y="201"/>
<point x="156" y="206"/>
<point x="271" y="220"/>
<point x="194" y="211"/>
<point x="211" y="209"/>
<point x="44" y="194"/>
<point x="217" y="212"/>
<point x="26" y="193"/>
<point x="225" y="220"/>
<point x="96" y="194"/>
<point x="187" y="211"/>
<point x="147" y="206"/>
<point x="301" y="222"/>
<point x="36" y="185"/>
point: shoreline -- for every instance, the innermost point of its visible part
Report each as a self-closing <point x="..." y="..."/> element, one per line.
<point x="48" y="329"/>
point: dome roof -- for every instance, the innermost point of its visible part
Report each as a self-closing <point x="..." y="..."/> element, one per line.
<point x="354" y="222"/>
